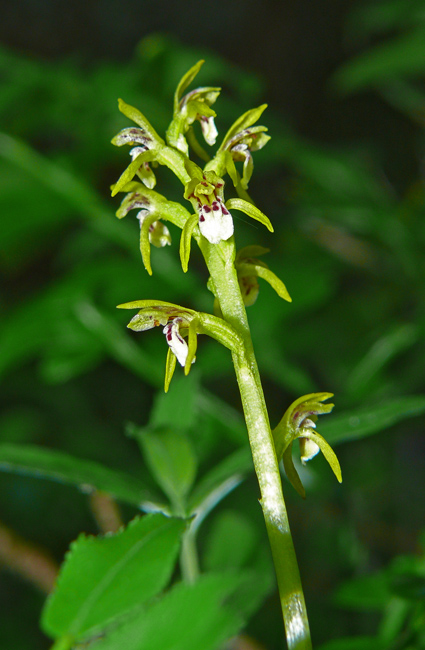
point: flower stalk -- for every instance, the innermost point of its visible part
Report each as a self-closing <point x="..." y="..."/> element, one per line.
<point x="234" y="283"/>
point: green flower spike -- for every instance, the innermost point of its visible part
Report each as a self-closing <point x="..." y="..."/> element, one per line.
<point x="194" y="106"/>
<point x="299" y="421"/>
<point x="178" y="324"/>
<point x="249" y="269"/>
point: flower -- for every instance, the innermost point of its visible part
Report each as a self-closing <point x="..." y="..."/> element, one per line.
<point x="299" y="422"/>
<point x="205" y="192"/>
<point x="239" y="143"/>
<point x="159" y="235"/>
<point x="192" y="107"/>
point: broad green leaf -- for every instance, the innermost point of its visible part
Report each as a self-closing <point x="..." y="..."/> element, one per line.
<point x="234" y="468"/>
<point x="172" y="462"/>
<point x="189" y="617"/>
<point x="107" y="577"/>
<point x="398" y="339"/>
<point x="230" y="543"/>
<point x="402" y="56"/>
<point x="367" y="421"/>
<point x="178" y="409"/>
<point x="60" y="466"/>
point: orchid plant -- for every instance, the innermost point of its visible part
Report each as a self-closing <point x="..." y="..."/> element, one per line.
<point x="206" y="216"/>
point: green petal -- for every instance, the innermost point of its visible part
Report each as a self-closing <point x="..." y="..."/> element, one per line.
<point x="170" y="366"/>
<point x="292" y="473"/>
<point x="185" y="81"/>
<point x="221" y="331"/>
<point x="192" y="345"/>
<point x="250" y="210"/>
<point x="129" y="173"/>
<point x="145" y="246"/>
<point x="243" y="122"/>
<point x="327" y="451"/>
<point x="136" y="116"/>
<point x="231" y="169"/>
<point x="186" y="239"/>
<point x="263" y="272"/>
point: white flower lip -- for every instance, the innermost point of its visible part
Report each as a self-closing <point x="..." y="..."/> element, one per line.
<point x="215" y="222"/>
<point x="175" y="340"/>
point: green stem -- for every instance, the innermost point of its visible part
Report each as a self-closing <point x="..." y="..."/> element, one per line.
<point x="220" y="262"/>
<point x="189" y="556"/>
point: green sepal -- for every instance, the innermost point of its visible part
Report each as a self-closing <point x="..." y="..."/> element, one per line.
<point x="170" y="366"/>
<point x="136" y="116"/>
<point x="243" y="122"/>
<point x="145" y="245"/>
<point x="328" y="453"/>
<point x="250" y="210"/>
<point x="186" y="239"/>
<point x="130" y="171"/>
<point x="291" y="472"/>
<point x="185" y="81"/>
<point x="261" y="271"/>
<point x="166" y="307"/>
<point x="192" y="345"/>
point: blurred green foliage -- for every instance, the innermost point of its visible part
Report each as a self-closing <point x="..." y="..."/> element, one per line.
<point x="349" y="245"/>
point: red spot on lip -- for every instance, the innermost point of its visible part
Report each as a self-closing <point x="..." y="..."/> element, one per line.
<point x="169" y="336"/>
<point x="215" y="206"/>
<point x="207" y="208"/>
<point x="202" y="218"/>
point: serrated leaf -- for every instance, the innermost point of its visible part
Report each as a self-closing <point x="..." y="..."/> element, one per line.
<point x="60" y="466"/>
<point x="367" y="421"/>
<point x="189" y="617"/>
<point x="105" y="578"/>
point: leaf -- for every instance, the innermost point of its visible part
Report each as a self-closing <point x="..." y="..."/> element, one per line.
<point x="367" y="421"/>
<point x="106" y="577"/>
<point x="189" y="617"/>
<point x="60" y="466"/>
<point x="235" y="466"/>
<point x="178" y="408"/>
<point x="172" y="462"/>
<point x="231" y="542"/>
<point x="403" y="56"/>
